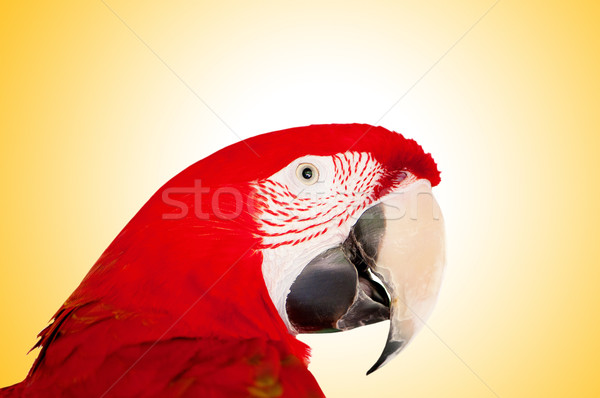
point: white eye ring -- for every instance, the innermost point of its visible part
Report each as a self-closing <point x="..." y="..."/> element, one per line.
<point x="307" y="173"/>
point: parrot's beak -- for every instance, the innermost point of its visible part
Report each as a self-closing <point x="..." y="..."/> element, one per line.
<point x="389" y="267"/>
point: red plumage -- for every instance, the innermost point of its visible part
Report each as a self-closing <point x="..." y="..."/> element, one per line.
<point x="177" y="306"/>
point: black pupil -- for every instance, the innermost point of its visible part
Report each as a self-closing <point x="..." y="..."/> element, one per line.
<point x="307" y="173"/>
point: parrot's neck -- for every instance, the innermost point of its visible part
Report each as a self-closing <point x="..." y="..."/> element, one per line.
<point x="151" y="287"/>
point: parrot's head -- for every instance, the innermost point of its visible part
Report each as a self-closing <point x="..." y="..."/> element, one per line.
<point x="351" y="233"/>
<point x="312" y="229"/>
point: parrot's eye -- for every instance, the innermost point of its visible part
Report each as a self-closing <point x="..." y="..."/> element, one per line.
<point x="307" y="173"/>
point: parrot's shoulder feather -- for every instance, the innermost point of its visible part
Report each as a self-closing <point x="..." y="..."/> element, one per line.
<point x="155" y="366"/>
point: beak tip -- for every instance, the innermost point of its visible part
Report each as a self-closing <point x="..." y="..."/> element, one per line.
<point x="391" y="349"/>
<point x="373" y="368"/>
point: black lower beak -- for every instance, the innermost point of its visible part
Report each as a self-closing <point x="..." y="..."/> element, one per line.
<point x="337" y="290"/>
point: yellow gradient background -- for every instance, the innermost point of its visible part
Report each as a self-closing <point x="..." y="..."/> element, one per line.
<point x="101" y="103"/>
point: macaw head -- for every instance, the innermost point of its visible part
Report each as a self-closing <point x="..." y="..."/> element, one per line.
<point x="312" y="229"/>
<point x="350" y="232"/>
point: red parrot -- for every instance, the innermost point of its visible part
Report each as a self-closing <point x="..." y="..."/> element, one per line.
<point x="311" y="229"/>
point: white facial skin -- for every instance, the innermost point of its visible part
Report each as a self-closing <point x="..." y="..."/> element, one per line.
<point x="300" y="219"/>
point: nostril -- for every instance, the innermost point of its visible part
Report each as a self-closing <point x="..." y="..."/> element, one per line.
<point x="401" y="176"/>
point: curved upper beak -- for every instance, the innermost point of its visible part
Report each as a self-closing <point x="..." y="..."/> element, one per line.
<point x="410" y="263"/>
<point x="389" y="267"/>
